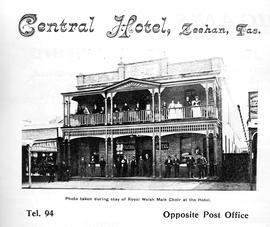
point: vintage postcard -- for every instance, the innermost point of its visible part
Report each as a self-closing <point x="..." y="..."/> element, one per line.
<point x="135" y="113"/>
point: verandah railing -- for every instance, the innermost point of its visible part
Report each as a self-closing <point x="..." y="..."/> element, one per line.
<point x="144" y="116"/>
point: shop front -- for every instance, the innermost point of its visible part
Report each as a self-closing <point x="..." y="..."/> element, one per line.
<point x="43" y="156"/>
<point x="142" y="155"/>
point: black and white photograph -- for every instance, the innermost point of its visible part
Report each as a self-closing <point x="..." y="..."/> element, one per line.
<point x="146" y="125"/>
<point x="135" y="113"/>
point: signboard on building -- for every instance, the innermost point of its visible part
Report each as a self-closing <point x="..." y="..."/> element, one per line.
<point x="45" y="146"/>
<point x="253" y="105"/>
<point x="164" y="146"/>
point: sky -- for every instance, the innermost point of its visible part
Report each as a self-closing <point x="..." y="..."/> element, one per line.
<point x="38" y="68"/>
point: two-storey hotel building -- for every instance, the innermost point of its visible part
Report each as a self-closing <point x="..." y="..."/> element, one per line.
<point x="150" y="108"/>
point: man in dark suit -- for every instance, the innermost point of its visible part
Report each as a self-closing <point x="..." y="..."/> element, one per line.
<point x="176" y="164"/>
<point x="133" y="166"/>
<point x="83" y="165"/>
<point x="141" y="166"/>
<point x="118" y="167"/>
<point x="147" y="165"/>
<point x="102" y="164"/>
<point x="190" y="166"/>
<point x="168" y="165"/>
<point x="187" y="106"/>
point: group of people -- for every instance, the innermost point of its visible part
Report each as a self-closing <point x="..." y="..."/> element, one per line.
<point x="128" y="114"/>
<point x="83" y="109"/>
<point x="174" y="164"/>
<point x="92" y="165"/>
<point x="201" y="164"/>
<point x="46" y="166"/>
<point x="176" y="110"/>
<point x="140" y="167"/>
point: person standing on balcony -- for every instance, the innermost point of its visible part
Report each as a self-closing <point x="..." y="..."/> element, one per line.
<point x="94" y="117"/>
<point x="125" y="109"/>
<point x="140" y="166"/>
<point x="196" y="109"/>
<point x="137" y="109"/>
<point x="85" y="110"/>
<point x="148" y="111"/>
<point x="115" y="108"/>
<point x="164" y="113"/>
<point x="171" y="114"/>
<point x="102" y="164"/>
<point x="187" y="113"/>
<point x="79" y="110"/>
<point x="95" y="109"/>
<point x="102" y="110"/>
<point x="178" y="110"/>
<point x="168" y="165"/>
<point x="115" y="113"/>
<point x="101" y="116"/>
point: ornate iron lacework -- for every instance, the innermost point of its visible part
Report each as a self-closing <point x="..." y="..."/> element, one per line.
<point x="142" y="130"/>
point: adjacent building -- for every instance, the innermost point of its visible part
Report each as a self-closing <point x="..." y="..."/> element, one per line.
<point x="253" y="129"/>
<point x="41" y="142"/>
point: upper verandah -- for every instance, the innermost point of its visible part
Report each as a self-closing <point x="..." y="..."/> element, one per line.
<point x="158" y="70"/>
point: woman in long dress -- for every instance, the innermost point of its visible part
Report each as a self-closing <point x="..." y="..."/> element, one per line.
<point x="178" y="110"/>
<point x="171" y="114"/>
<point x="196" y="109"/>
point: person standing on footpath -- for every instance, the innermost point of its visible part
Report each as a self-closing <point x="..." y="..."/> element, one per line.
<point x="176" y="165"/>
<point x="190" y="166"/>
<point x="133" y="166"/>
<point x="140" y="165"/>
<point x="147" y="165"/>
<point x="102" y="164"/>
<point x="83" y="167"/>
<point x="124" y="166"/>
<point x="168" y="165"/>
<point x="201" y="163"/>
<point x="92" y="165"/>
<point x="51" y="169"/>
<point x="118" y="166"/>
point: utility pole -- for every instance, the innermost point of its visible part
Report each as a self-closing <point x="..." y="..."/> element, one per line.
<point x="29" y="167"/>
<point x="249" y="144"/>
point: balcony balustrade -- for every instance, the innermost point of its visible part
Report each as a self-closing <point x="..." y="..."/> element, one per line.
<point x="143" y="116"/>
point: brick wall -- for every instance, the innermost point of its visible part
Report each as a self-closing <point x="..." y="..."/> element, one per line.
<point x="85" y="147"/>
<point x="189" y="141"/>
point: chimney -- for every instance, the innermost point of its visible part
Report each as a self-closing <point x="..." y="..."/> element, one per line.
<point x="121" y="70"/>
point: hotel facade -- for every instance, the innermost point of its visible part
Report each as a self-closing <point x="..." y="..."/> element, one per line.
<point x="150" y="108"/>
